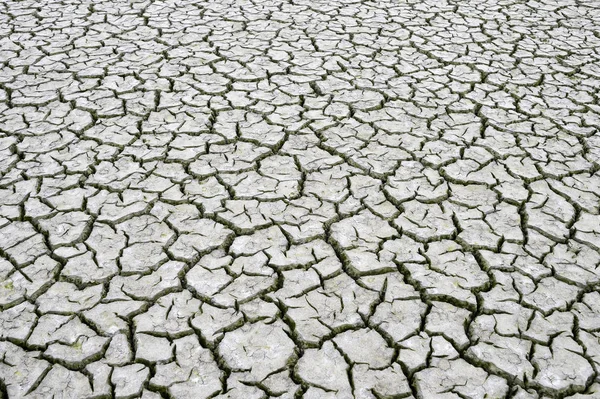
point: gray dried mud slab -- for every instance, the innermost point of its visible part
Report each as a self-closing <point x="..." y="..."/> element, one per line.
<point x="298" y="199"/>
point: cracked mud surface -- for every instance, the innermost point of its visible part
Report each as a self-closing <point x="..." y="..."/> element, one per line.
<point x="286" y="199"/>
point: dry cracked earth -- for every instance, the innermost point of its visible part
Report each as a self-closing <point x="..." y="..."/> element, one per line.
<point x="300" y="199"/>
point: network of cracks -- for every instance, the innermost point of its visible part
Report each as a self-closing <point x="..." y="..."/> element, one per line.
<point x="300" y="199"/>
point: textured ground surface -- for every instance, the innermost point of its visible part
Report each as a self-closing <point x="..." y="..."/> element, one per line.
<point x="284" y="199"/>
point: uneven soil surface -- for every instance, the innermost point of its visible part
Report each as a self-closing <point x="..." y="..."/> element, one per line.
<point x="300" y="199"/>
